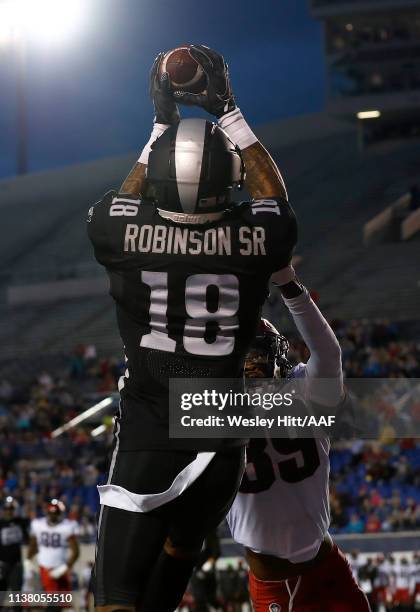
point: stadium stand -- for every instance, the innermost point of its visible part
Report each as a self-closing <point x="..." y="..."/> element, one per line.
<point x="387" y="224"/>
<point x="37" y="396"/>
<point x="334" y="189"/>
<point x="59" y="355"/>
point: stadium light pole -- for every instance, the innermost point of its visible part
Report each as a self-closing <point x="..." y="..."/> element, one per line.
<point x="21" y="21"/>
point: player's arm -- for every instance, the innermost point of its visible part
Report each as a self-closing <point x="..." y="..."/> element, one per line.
<point x="32" y="547"/>
<point x="135" y="182"/>
<point x="166" y="114"/>
<point x="263" y="178"/>
<point x="325" y="351"/>
<point x="74" y="550"/>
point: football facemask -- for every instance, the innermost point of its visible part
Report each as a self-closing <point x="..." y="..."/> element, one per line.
<point x="267" y="357"/>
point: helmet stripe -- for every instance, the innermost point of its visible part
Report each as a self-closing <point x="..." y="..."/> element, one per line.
<point x="189" y="147"/>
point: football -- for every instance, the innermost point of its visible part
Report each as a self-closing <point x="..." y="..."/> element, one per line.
<point x="184" y="72"/>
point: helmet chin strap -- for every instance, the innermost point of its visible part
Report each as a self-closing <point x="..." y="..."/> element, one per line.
<point x="179" y="217"/>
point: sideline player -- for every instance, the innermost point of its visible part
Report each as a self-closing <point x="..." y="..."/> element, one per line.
<point x="189" y="272"/>
<point x="13" y="534"/>
<point x="53" y="539"/>
<point x="281" y="514"/>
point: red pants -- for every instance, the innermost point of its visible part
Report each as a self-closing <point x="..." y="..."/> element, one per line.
<point x="379" y="594"/>
<point x="401" y="596"/>
<point x="328" y="587"/>
<point x="51" y="585"/>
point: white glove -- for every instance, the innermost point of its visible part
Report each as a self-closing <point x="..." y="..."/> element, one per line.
<point x="29" y="569"/>
<point x="59" y="571"/>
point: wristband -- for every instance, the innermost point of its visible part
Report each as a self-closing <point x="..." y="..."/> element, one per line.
<point x="283" y="276"/>
<point x="58" y="572"/>
<point x="237" y="129"/>
<point x="158" y="130"/>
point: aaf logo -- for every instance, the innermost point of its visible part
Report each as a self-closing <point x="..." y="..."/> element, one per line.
<point x="274" y="608"/>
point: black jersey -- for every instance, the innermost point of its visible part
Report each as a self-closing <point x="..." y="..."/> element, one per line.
<point x="188" y="298"/>
<point x="13" y="534"/>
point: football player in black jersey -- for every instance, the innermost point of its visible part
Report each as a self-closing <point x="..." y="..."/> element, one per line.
<point x="13" y="534"/>
<point x="189" y="273"/>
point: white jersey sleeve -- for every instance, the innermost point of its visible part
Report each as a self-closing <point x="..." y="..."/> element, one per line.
<point x="52" y="541"/>
<point x="282" y="508"/>
<point x="325" y="352"/>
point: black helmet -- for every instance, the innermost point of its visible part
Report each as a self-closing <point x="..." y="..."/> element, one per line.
<point x="267" y="356"/>
<point x="192" y="170"/>
<point x="10" y="504"/>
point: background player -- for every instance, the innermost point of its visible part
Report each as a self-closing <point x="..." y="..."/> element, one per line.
<point x="13" y="534"/>
<point x="189" y="272"/>
<point x="281" y="514"/>
<point x="53" y="539"/>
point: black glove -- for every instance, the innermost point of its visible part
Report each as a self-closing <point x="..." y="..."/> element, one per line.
<point x="218" y="98"/>
<point x="166" y="110"/>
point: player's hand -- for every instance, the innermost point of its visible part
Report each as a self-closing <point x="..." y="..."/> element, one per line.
<point x="166" y="109"/>
<point x="218" y="98"/>
<point x="59" y="571"/>
<point x="28" y="569"/>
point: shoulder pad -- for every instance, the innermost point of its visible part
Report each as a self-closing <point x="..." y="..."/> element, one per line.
<point x="261" y="211"/>
<point x="125" y="197"/>
<point x="128" y="202"/>
<point x="108" y="196"/>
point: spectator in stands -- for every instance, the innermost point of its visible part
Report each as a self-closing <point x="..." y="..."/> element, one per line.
<point x="373" y="524"/>
<point x="356" y="525"/>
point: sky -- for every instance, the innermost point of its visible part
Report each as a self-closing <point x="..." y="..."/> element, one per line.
<point x="87" y="98"/>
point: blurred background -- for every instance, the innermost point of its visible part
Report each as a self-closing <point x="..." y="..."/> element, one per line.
<point x="332" y="88"/>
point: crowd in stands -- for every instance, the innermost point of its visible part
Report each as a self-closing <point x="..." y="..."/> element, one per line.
<point x="35" y="466"/>
<point x="371" y="350"/>
<point x="358" y="56"/>
<point x="375" y="487"/>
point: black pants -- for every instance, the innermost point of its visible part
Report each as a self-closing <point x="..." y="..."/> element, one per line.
<point x="11" y="578"/>
<point x="129" y="543"/>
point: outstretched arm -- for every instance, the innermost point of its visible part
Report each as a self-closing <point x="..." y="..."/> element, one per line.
<point x="166" y="114"/>
<point x="325" y="352"/>
<point x="263" y="178"/>
<point x="135" y="182"/>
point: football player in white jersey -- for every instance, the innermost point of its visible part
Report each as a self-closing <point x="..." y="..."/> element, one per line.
<point x="53" y="539"/>
<point x="281" y="514"/>
<point x="404" y="584"/>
